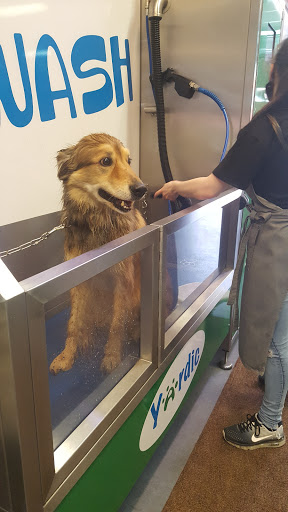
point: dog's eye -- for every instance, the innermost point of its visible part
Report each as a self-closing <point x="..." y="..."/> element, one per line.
<point x="129" y="160"/>
<point x="106" y="161"/>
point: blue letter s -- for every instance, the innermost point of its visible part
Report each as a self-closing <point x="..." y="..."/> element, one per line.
<point x="89" y="48"/>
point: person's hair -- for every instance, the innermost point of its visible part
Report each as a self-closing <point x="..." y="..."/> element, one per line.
<point x="279" y="79"/>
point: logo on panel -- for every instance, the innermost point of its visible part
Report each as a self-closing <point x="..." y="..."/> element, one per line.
<point x="172" y="390"/>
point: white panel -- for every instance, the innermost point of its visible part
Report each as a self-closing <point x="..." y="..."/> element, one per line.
<point x="29" y="184"/>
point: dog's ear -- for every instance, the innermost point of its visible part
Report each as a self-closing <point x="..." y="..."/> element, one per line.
<point x="65" y="162"/>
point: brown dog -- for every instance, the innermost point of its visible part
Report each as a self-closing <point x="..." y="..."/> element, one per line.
<point x="99" y="190"/>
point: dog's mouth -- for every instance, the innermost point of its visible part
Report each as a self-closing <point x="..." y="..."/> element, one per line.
<point x="120" y="204"/>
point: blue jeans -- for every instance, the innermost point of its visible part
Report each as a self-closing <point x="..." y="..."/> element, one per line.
<point x="276" y="373"/>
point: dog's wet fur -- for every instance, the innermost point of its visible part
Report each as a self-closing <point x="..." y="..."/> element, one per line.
<point x="99" y="191"/>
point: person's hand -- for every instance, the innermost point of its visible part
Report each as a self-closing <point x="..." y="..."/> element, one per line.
<point x="169" y="190"/>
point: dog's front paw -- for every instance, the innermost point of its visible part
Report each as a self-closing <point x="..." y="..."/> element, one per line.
<point x="61" y="363"/>
<point x="110" y="362"/>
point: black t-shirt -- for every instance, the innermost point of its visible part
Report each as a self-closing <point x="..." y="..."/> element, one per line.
<point x="258" y="157"/>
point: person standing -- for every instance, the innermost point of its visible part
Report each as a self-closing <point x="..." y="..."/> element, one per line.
<point x="258" y="163"/>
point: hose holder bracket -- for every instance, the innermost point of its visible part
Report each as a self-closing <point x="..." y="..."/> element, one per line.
<point x="183" y="86"/>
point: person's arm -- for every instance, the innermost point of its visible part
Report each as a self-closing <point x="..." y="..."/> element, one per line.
<point x="197" y="188"/>
<point x="238" y="169"/>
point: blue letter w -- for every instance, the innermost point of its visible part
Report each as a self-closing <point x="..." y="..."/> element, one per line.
<point x="17" y="117"/>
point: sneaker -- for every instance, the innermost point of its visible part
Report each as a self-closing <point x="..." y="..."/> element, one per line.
<point x="252" y="434"/>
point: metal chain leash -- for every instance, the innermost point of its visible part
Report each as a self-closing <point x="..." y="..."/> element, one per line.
<point x="33" y="242"/>
<point x="145" y="208"/>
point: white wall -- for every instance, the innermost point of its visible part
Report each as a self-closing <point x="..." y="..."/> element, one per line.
<point x="28" y="177"/>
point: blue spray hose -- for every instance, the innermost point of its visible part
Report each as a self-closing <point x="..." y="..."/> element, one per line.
<point x="220" y="104"/>
<point x="200" y="89"/>
<point x="149" y="46"/>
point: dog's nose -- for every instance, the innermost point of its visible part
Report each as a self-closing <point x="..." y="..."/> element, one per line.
<point x="138" y="191"/>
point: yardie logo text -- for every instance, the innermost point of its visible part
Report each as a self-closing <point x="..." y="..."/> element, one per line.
<point x="172" y="390"/>
<point x="184" y="374"/>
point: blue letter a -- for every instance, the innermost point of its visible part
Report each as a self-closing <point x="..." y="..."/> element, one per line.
<point x="45" y="96"/>
<point x="17" y="117"/>
<point x="117" y="63"/>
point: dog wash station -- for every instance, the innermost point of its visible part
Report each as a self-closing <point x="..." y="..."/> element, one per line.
<point x="55" y="425"/>
<point x="79" y="440"/>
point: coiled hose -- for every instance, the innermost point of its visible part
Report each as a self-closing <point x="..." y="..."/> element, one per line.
<point x="181" y="202"/>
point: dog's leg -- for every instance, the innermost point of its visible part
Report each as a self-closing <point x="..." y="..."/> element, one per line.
<point x="79" y="329"/>
<point x="113" y="348"/>
<point x="134" y="325"/>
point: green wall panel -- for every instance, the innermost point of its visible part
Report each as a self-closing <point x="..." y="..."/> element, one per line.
<point x="111" y="476"/>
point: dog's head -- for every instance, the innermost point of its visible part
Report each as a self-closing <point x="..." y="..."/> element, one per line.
<point x="97" y="169"/>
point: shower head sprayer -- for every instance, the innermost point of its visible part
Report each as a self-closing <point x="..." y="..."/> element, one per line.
<point x="157" y="8"/>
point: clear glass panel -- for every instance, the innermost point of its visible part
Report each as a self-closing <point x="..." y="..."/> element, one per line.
<point x="192" y="256"/>
<point x="92" y="342"/>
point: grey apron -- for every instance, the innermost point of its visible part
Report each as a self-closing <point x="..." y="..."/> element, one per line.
<point x="265" y="236"/>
